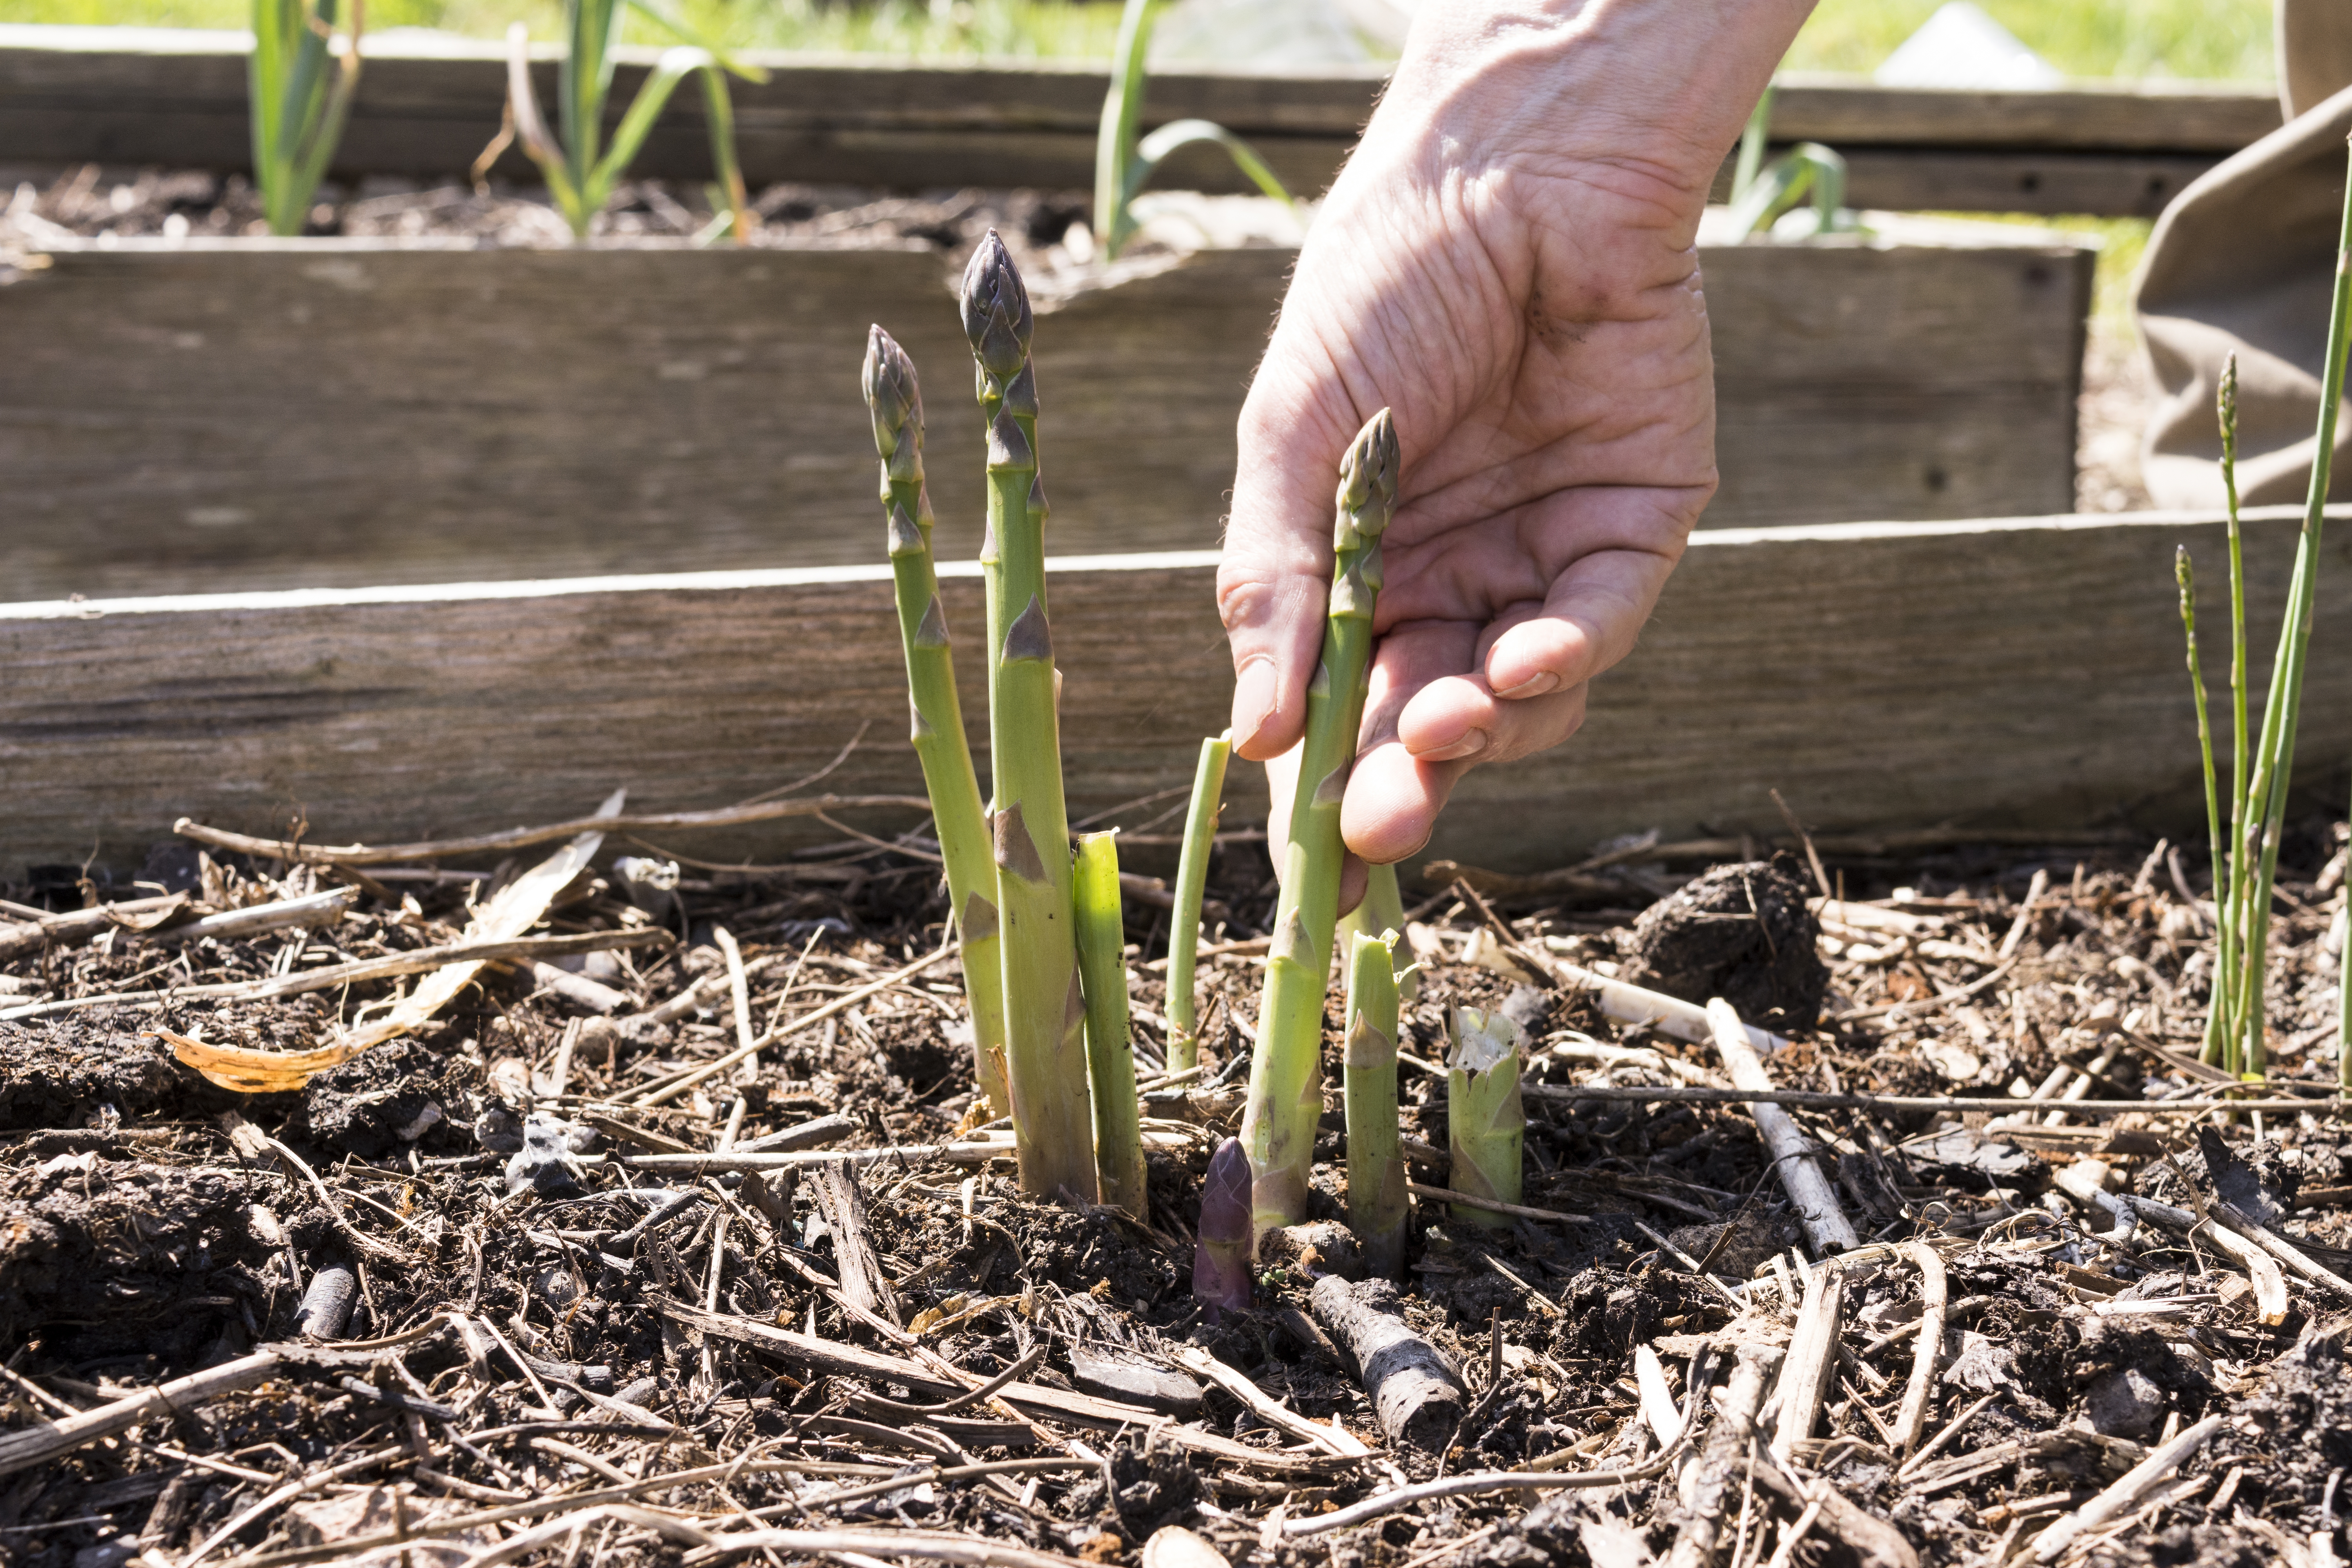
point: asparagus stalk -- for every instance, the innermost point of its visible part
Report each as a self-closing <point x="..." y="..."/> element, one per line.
<point x="1485" y="1122"/>
<point x="1044" y="1012"/>
<point x="2272" y="762"/>
<point x="1376" y="1190"/>
<point x="1221" y="1256"/>
<point x="2229" y="874"/>
<point x="896" y="401"/>
<point x="1286" y="1093"/>
<point x="1184" y="922"/>
<point x="1380" y="914"/>
<point x="2185" y="576"/>
<point x="1111" y="1058"/>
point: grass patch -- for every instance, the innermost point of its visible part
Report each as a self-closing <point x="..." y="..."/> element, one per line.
<point x="2214" y="39"/>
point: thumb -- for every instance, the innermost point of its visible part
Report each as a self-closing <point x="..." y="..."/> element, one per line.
<point x="1273" y="581"/>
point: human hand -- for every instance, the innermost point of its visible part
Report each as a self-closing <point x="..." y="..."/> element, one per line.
<point x="1508" y="263"/>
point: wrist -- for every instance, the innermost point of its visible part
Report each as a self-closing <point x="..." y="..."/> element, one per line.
<point x="1659" y="86"/>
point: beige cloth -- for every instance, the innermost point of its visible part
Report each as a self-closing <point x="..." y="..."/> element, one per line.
<point x="2244" y="261"/>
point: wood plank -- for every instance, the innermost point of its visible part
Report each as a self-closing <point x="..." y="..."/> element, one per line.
<point x="318" y="414"/>
<point x="2019" y="673"/>
<point x="126" y="95"/>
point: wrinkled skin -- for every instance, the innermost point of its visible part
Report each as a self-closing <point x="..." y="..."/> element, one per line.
<point x="1507" y="262"/>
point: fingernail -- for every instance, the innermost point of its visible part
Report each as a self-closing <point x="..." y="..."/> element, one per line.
<point x="1543" y="680"/>
<point x="1256" y="693"/>
<point x="1469" y="745"/>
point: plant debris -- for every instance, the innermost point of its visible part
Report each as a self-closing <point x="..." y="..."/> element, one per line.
<point x="603" y="1299"/>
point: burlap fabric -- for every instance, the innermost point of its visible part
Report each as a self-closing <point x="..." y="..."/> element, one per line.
<point x="2244" y="261"/>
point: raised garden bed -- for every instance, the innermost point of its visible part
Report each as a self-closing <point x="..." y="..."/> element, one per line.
<point x="242" y="415"/>
<point x="118" y="96"/>
<point x="2018" y="673"/>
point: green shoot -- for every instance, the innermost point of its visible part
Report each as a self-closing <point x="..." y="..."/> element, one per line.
<point x="1752" y="143"/>
<point x="896" y="401"/>
<point x="582" y="170"/>
<point x="1285" y="1091"/>
<point x="2243" y="879"/>
<point x="299" y="104"/>
<point x="1806" y="170"/>
<point x="1045" y="1009"/>
<point x="1191" y="882"/>
<point x="1123" y="163"/>
<point x="1485" y="1121"/>
<point x="1110" y="1057"/>
<point x="1377" y="1204"/>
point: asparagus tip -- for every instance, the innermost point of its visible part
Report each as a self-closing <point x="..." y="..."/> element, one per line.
<point x="890" y="388"/>
<point x="1221" y="1259"/>
<point x="1368" y="475"/>
<point x="996" y="314"/>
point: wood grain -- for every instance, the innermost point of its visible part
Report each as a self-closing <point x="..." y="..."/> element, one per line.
<point x="2004" y="673"/>
<point x="330" y="412"/>
<point x="122" y="96"/>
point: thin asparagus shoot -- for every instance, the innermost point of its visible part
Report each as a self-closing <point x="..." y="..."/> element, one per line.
<point x="1285" y="1092"/>
<point x="1045" y="1010"/>
<point x="2185" y="576"/>
<point x="895" y="401"/>
<point x="2273" y="763"/>
<point x="1191" y="882"/>
<point x="1486" y="1123"/>
<point x="1110" y="1057"/>
<point x="1221" y="1254"/>
<point x="2229" y="874"/>
<point x="1377" y="1204"/>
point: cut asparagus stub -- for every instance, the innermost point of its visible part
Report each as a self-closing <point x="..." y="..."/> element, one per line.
<point x="1221" y="1256"/>
<point x="1185" y="921"/>
<point x="1045" y="1011"/>
<point x="1381" y="915"/>
<point x="1285" y="1072"/>
<point x="1111" y="1058"/>
<point x="1485" y="1122"/>
<point x="896" y="401"/>
<point x="1377" y="1204"/>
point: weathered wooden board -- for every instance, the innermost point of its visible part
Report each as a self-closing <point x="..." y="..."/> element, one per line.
<point x="123" y="95"/>
<point x="332" y="413"/>
<point x="2009" y="673"/>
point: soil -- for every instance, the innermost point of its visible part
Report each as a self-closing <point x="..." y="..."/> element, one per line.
<point x="152" y="1224"/>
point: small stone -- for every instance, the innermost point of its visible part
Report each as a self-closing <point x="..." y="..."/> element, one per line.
<point x="2123" y="1403"/>
<point x="1134" y="1379"/>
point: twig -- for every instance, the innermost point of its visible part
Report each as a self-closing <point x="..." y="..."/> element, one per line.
<point x="1935" y="1292"/>
<point x="287" y="1493"/>
<point x="1912" y="1465"/>
<point x="1826" y="1226"/>
<point x="1398" y="1498"/>
<point x="336" y="975"/>
<point x="931" y="1546"/>
<point x="485" y="843"/>
<point x="1817" y="1100"/>
<point x="1812" y="1351"/>
<point x="2278" y="1247"/>
<point x="1330" y="1440"/>
<point x="1010" y="1375"/>
<point x="1496" y="1205"/>
<point x="2125" y="1494"/>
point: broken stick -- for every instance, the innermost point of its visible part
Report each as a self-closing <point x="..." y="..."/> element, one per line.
<point x="1826" y="1227"/>
<point x="1414" y="1390"/>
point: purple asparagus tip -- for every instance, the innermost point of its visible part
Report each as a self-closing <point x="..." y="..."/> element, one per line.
<point x="1220" y="1262"/>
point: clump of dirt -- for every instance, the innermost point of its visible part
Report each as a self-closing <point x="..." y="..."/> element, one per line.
<point x="381" y="1099"/>
<point x="1742" y="932"/>
<point x="162" y="1254"/>
<point x="62" y="1072"/>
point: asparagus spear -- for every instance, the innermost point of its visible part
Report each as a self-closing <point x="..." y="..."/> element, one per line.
<point x="1376" y="1190"/>
<point x="1184" y="922"/>
<point x="1286" y="1093"/>
<point x="1221" y="1256"/>
<point x="1484" y="1121"/>
<point x="896" y="401"/>
<point x="1044" y="1012"/>
<point x="1111" y="1058"/>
